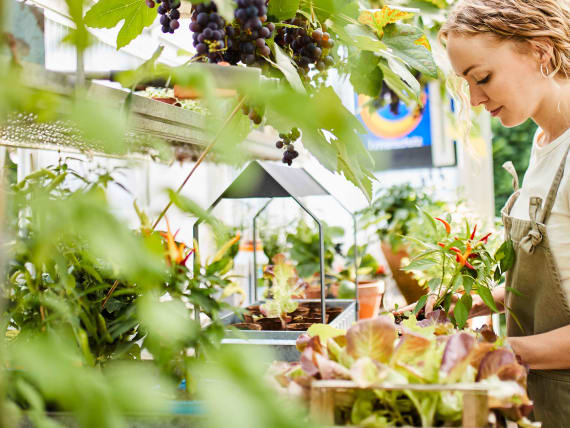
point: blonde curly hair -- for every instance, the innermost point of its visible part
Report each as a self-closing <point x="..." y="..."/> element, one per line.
<point x="519" y="21"/>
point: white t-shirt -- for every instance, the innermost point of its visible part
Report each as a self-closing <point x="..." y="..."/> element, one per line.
<point x="544" y="162"/>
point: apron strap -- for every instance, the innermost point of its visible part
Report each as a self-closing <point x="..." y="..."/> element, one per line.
<point x="510" y="168"/>
<point x="538" y="214"/>
<point x="534" y="236"/>
<point x="545" y="212"/>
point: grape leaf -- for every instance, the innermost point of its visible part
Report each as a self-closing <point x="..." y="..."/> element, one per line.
<point x="283" y="9"/>
<point x="401" y="70"/>
<point x="365" y="76"/>
<point x="441" y="4"/>
<point x="393" y="80"/>
<point x="79" y="36"/>
<point x="285" y="65"/>
<point x="378" y="19"/>
<point x="359" y="36"/>
<point x="409" y="43"/>
<point x="108" y="13"/>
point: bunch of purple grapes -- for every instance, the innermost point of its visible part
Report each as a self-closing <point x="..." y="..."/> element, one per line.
<point x="286" y="140"/>
<point x="169" y="14"/>
<point x="247" y="40"/>
<point x="209" y="33"/>
<point x="309" y="46"/>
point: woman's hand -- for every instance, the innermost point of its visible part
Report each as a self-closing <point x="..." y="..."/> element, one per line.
<point x="409" y="308"/>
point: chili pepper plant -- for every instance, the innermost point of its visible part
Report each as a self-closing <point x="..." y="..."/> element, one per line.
<point x="466" y="267"/>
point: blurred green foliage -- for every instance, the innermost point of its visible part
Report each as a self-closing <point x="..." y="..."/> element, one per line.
<point x="510" y="144"/>
<point x="392" y="210"/>
<point x="304" y="247"/>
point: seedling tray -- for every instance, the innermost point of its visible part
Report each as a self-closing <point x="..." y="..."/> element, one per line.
<point x="282" y="343"/>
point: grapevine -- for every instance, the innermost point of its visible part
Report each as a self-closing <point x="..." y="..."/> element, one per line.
<point x="209" y="33"/>
<point x="247" y="36"/>
<point x="286" y="142"/>
<point x="309" y="46"/>
<point x="169" y="14"/>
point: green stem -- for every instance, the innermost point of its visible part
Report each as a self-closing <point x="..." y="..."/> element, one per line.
<point x="240" y="102"/>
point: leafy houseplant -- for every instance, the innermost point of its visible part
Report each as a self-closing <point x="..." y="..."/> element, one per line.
<point x="465" y="265"/>
<point x="304" y="247"/>
<point x="66" y="276"/>
<point x="392" y="210"/>
<point x="369" y="269"/>
<point x="391" y="214"/>
<point x="62" y="277"/>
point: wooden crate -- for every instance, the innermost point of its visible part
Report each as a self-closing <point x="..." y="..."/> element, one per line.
<point x="326" y="395"/>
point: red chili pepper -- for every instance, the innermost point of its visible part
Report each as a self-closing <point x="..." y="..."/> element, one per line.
<point x="446" y="224"/>
<point x="461" y="258"/>
<point x="485" y="238"/>
<point x="183" y="263"/>
<point x="441" y="244"/>
<point x="473" y="233"/>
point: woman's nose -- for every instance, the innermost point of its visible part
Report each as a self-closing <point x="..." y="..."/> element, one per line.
<point x="477" y="96"/>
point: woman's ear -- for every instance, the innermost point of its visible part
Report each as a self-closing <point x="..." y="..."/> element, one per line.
<point x="542" y="48"/>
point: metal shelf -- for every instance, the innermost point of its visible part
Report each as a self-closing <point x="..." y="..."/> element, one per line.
<point x="150" y="118"/>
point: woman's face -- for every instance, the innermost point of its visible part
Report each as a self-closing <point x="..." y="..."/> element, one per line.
<point x="500" y="77"/>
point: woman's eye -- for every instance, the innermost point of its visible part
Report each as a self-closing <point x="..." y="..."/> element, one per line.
<point x="485" y="80"/>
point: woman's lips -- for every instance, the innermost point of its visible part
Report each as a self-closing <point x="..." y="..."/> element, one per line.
<point x="496" y="111"/>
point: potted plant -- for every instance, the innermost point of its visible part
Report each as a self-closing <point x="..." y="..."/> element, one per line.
<point x="390" y="214"/>
<point x="371" y="285"/>
<point x="304" y="247"/>
<point x="464" y="264"/>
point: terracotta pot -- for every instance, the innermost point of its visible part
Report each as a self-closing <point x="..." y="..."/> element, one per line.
<point x="168" y="100"/>
<point x="369" y="299"/>
<point x="313" y="291"/>
<point x="408" y="286"/>
<point x="247" y="326"/>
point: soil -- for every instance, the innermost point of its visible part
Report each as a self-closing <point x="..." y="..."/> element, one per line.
<point x="301" y="319"/>
<point x="420" y="316"/>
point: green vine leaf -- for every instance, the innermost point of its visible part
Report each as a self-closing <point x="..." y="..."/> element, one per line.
<point x="225" y="7"/>
<point x="408" y="43"/>
<point x="365" y="76"/>
<point x="394" y="81"/>
<point x="285" y="65"/>
<point x="108" y="13"/>
<point x="283" y="9"/>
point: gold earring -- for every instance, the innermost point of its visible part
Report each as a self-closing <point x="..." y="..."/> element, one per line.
<point x="545" y="75"/>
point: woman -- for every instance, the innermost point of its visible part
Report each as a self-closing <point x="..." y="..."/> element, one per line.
<point x="515" y="57"/>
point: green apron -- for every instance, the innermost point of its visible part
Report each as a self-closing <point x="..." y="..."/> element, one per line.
<point x="542" y="305"/>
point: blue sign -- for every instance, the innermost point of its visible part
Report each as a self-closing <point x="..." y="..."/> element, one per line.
<point x="409" y="128"/>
